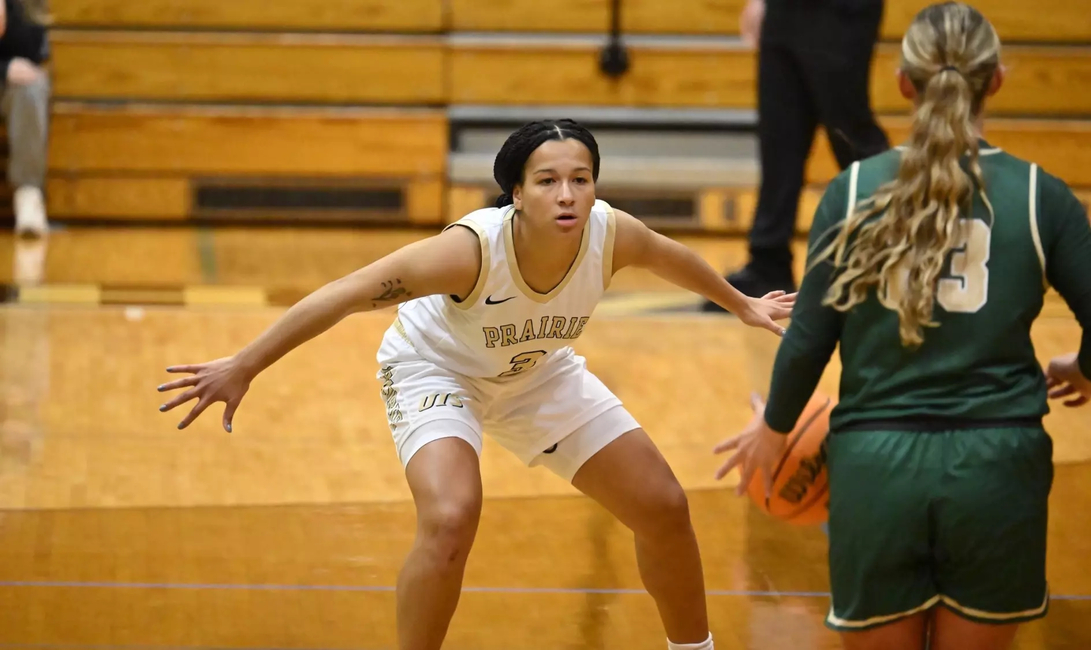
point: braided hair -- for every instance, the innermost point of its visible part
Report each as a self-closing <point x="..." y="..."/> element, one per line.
<point x="511" y="160"/>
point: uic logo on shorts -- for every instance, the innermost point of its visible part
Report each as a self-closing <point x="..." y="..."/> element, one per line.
<point x="449" y="399"/>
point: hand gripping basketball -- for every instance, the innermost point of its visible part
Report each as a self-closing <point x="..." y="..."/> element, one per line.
<point x="757" y="447"/>
<point x="794" y="486"/>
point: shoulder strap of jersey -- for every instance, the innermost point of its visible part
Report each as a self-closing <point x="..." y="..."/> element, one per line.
<point x="472" y="222"/>
<point x="1032" y="211"/>
<point x="608" y="240"/>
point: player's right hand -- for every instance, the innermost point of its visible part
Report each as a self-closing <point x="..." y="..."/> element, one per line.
<point x="757" y="448"/>
<point x="222" y="380"/>
<point x="1064" y="378"/>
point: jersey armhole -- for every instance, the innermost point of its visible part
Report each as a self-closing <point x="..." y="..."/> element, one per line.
<point x="483" y="272"/>
<point x="608" y="247"/>
<point x="1032" y="211"/>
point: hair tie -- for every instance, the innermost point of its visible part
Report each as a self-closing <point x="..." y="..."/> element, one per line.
<point x="950" y="67"/>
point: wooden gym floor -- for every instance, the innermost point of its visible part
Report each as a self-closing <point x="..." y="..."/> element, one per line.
<point x="118" y="531"/>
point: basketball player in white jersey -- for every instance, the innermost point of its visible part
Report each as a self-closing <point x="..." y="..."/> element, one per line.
<point x="488" y="310"/>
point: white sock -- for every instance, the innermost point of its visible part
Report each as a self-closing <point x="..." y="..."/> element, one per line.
<point x="704" y="645"/>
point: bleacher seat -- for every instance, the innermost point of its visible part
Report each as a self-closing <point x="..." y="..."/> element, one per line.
<point x="244" y="67"/>
<point x="178" y="109"/>
<point x="1062" y="21"/>
<point x="720" y="74"/>
<point x="247" y="162"/>
<point x="272" y="15"/>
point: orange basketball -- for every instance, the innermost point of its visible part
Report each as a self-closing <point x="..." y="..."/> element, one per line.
<point x="801" y="489"/>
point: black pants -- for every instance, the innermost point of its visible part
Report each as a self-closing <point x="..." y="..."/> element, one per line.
<point x="814" y="67"/>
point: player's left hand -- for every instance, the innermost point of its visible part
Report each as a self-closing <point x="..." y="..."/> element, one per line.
<point x="1064" y="379"/>
<point x="765" y="311"/>
<point x="757" y="447"/>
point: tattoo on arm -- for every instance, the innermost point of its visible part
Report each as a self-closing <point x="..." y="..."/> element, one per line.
<point x="391" y="291"/>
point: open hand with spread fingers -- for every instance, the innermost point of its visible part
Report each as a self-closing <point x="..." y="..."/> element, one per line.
<point x="222" y="380"/>
<point x="757" y="447"/>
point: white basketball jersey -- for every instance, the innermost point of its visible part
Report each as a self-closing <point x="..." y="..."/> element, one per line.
<point x="504" y="328"/>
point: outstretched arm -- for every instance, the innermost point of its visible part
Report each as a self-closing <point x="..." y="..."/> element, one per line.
<point x="637" y="245"/>
<point x="448" y="263"/>
<point x="801" y="358"/>
<point x="1066" y="239"/>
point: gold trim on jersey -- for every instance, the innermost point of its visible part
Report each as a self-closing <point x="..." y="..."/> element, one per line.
<point x="1033" y="210"/>
<point x="400" y="329"/>
<point x="876" y="620"/>
<point x="989" y="616"/>
<point x="513" y="263"/>
<point x="932" y="602"/>
<point x="486" y="262"/>
<point x="608" y="246"/>
<point x="854" y="180"/>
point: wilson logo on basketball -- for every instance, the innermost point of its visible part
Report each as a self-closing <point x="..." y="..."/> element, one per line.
<point x="803" y="479"/>
<point x="801" y="488"/>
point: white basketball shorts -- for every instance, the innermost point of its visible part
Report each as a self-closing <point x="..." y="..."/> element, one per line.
<point x="558" y="416"/>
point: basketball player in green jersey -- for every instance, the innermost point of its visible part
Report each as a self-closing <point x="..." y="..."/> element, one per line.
<point x="928" y="265"/>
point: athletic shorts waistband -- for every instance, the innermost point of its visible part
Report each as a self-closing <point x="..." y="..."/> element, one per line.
<point x="929" y="424"/>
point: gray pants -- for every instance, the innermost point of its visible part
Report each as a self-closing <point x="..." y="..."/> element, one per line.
<point x="26" y="108"/>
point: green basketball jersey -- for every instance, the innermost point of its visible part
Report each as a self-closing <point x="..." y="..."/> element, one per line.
<point x="979" y="363"/>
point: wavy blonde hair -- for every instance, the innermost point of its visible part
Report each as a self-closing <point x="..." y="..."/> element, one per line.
<point x="950" y="54"/>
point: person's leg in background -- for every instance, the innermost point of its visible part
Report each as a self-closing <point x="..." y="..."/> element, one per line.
<point x="814" y="67"/>
<point x="787" y="119"/>
<point x="25" y="104"/>
<point x="840" y="74"/>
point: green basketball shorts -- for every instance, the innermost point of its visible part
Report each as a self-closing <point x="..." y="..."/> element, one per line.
<point x="952" y="518"/>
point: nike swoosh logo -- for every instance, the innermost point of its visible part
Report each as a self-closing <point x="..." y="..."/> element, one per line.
<point x="490" y="301"/>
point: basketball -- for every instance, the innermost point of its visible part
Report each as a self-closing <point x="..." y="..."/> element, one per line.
<point x="800" y="493"/>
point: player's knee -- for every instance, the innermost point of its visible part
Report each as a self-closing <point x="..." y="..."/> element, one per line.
<point x="666" y="513"/>
<point x="38" y="88"/>
<point x="447" y="528"/>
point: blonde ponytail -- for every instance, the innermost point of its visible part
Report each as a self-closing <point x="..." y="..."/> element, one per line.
<point x="950" y="54"/>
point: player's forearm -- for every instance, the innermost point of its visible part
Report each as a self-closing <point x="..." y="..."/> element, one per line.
<point x="804" y="353"/>
<point x="684" y="268"/>
<point x="318" y="312"/>
<point x="796" y="373"/>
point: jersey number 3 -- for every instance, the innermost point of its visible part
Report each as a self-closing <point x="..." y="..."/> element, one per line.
<point x="521" y="363"/>
<point x="966" y="288"/>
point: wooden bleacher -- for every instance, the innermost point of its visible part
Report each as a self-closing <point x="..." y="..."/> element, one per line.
<point x="519" y="72"/>
<point x="246" y="67"/>
<point x="250" y="109"/>
<point x="1061" y="147"/>
<point x="637" y="17"/>
<point x="178" y="109"/>
<point x="1045" y="21"/>
<point x="172" y="156"/>
<point x="399" y="16"/>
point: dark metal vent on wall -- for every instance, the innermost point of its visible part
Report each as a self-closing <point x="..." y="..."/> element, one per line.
<point x="298" y="200"/>
<point x="682" y="207"/>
